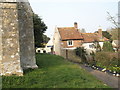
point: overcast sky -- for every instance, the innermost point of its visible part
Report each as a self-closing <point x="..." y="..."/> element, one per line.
<point x="89" y="14"/>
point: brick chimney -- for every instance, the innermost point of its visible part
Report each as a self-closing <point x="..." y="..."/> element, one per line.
<point x="100" y="32"/>
<point x="76" y="25"/>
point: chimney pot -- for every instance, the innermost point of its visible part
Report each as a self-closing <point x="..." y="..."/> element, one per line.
<point x="76" y="25"/>
<point x="100" y="33"/>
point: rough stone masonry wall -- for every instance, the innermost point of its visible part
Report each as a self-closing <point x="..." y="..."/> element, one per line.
<point x="16" y="38"/>
<point x="70" y="55"/>
<point x="27" y="50"/>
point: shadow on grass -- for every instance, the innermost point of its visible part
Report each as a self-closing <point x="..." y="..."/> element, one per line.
<point x="28" y="70"/>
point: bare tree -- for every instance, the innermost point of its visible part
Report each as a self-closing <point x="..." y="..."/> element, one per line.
<point x="112" y="19"/>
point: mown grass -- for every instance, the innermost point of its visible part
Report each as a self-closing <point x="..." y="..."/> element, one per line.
<point x="53" y="72"/>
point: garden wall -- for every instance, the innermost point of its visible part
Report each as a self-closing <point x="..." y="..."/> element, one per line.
<point x="70" y="55"/>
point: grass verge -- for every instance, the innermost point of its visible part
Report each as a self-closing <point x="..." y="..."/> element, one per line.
<point x="53" y="72"/>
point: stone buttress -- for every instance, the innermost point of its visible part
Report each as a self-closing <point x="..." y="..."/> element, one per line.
<point x="16" y="37"/>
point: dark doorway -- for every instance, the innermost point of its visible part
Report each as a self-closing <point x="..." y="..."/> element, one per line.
<point x="66" y="54"/>
<point x="52" y="50"/>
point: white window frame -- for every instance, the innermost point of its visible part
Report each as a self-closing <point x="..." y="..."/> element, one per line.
<point x="70" y="41"/>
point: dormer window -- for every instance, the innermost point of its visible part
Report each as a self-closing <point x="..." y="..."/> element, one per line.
<point x="70" y="43"/>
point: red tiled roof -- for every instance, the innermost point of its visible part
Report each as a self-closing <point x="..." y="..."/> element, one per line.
<point x="69" y="33"/>
<point x="91" y="37"/>
<point x="105" y="39"/>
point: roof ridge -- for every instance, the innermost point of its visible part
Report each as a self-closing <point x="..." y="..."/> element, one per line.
<point x="89" y="33"/>
<point x="65" y="27"/>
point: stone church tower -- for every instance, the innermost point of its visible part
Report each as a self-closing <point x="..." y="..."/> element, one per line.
<point x="16" y="37"/>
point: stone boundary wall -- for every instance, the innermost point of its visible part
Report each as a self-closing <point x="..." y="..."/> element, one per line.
<point x="16" y="38"/>
<point x="70" y="55"/>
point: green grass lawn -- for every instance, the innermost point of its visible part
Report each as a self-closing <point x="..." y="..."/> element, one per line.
<point x="53" y="72"/>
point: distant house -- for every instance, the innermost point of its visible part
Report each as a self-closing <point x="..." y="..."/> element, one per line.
<point x="91" y="40"/>
<point x="71" y="38"/>
<point x="48" y="48"/>
<point x="40" y="50"/>
<point x="66" y="38"/>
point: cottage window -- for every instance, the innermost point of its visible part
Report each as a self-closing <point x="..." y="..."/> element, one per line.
<point x="91" y="46"/>
<point x="70" y="43"/>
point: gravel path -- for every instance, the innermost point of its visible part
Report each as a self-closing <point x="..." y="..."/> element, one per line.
<point x="108" y="79"/>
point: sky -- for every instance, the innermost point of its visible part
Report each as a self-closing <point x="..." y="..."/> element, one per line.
<point x="89" y="14"/>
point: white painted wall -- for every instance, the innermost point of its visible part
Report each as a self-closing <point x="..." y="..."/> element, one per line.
<point x="101" y="44"/>
<point x="39" y="49"/>
<point x="47" y="50"/>
<point x="88" y="48"/>
<point x="57" y="42"/>
<point x="49" y="45"/>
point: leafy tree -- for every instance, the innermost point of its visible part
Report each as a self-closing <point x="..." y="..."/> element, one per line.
<point x="93" y="61"/>
<point x="39" y="30"/>
<point x="97" y="45"/>
<point x="45" y="39"/>
<point x="80" y="51"/>
<point x="107" y="35"/>
<point x="107" y="47"/>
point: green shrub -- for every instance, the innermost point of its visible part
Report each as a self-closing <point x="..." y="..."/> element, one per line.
<point x="92" y="61"/>
<point x="80" y="51"/>
<point x="97" y="46"/>
<point x="107" y="47"/>
<point x="108" y="60"/>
